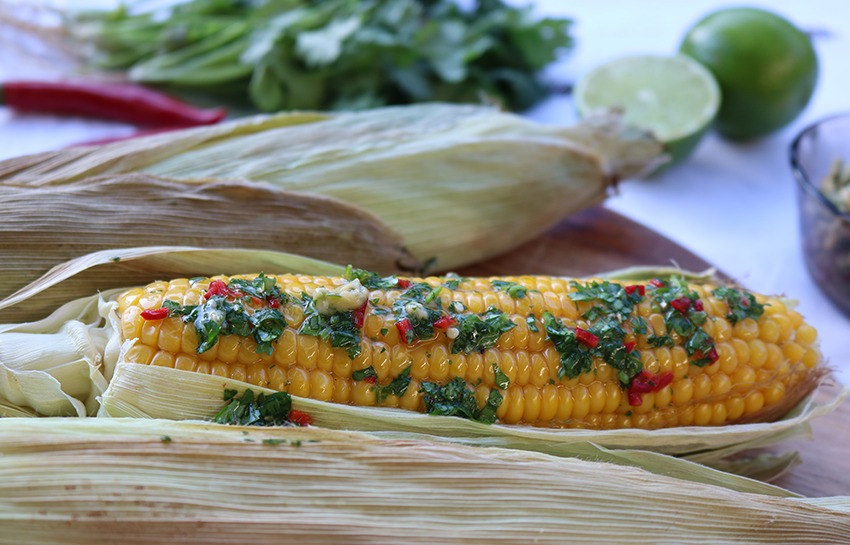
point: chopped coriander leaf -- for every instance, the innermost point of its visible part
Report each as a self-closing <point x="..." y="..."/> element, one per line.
<point x="532" y="323"/>
<point x="657" y="341"/>
<point x="248" y="410"/>
<point x="362" y="374"/>
<point x="700" y="344"/>
<point x="456" y="398"/>
<point x="384" y="331"/>
<point x="417" y="306"/>
<point x="477" y="333"/>
<point x="268" y="325"/>
<point x="501" y="379"/>
<point x="369" y="279"/>
<point x="273" y="441"/>
<point x="165" y="438"/>
<point x="396" y="387"/>
<point x="614" y="298"/>
<point x="452" y="284"/>
<point x="742" y="304"/>
<point x="433" y="294"/>
<point x="612" y="349"/>
<point x="339" y="327"/>
<point x="516" y="291"/>
<point x="262" y="287"/>
<point x="575" y="358"/>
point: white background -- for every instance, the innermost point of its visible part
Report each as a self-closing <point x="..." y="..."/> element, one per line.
<point x="733" y="204"/>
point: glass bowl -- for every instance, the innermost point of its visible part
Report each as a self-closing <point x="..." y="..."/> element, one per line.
<point x="825" y="229"/>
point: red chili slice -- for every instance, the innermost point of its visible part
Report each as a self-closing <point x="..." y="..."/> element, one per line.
<point x="655" y="282"/>
<point x="371" y="379"/>
<point x="630" y="345"/>
<point x="586" y="337"/>
<point x="403" y="284"/>
<point x="698" y="306"/>
<point x="405" y="328"/>
<point x="635" y="399"/>
<point x="646" y="382"/>
<point x="445" y="322"/>
<point x="155" y="313"/>
<point x="274" y="302"/>
<point x="359" y="315"/>
<point x="217" y="287"/>
<point x="300" y="418"/>
<point x="640" y="288"/>
<point x="682" y="304"/>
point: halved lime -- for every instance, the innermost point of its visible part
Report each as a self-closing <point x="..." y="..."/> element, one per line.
<point x="674" y="97"/>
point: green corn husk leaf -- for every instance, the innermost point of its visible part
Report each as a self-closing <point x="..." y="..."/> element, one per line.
<point x="459" y="183"/>
<point x="132" y="481"/>
<point x="46" y="226"/>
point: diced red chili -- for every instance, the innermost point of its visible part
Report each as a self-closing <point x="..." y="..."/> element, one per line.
<point x="371" y="379"/>
<point x="656" y="283"/>
<point x="586" y="337"/>
<point x="698" y="306"/>
<point x="630" y="345"/>
<point x="713" y="355"/>
<point x="155" y="313"/>
<point x="405" y="329"/>
<point x="359" y="315"/>
<point x="640" y="288"/>
<point x="217" y="287"/>
<point x="256" y="301"/>
<point x="300" y="418"/>
<point x="274" y="302"/>
<point x="646" y="382"/>
<point x="445" y="322"/>
<point x="682" y="304"/>
<point x="403" y="283"/>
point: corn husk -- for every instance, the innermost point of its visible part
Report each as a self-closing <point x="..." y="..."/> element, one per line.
<point x="45" y="226"/>
<point x="459" y="183"/>
<point x="131" y="481"/>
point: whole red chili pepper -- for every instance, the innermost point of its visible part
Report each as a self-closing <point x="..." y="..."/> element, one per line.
<point x="113" y="101"/>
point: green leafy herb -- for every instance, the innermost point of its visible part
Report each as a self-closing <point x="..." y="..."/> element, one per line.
<point x="477" y="333"/>
<point x="457" y="399"/>
<point x="700" y="344"/>
<point x="575" y="358"/>
<point x="417" y="304"/>
<point x="502" y="380"/>
<point x="613" y="298"/>
<point x="361" y="374"/>
<point x="532" y="323"/>
<point x="248" y="410"/>
<point x="274" y="441"/>
<point x="268" y="325"/>
<point x="369" y="279"/>
<point x="165" y="438"/>
<point x="262" y="287"/>
<point x="339" y="327"/>
<point x="741" y="304"/>
<point x="516" y="291"/>
<point x="333" y="54"/>
<point x="396" y="387"/>
<point x="657" y="341"/>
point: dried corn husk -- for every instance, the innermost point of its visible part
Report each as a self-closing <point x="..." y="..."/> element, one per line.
<point x="459" y="183"/>
<point x="45" y="226"/>
<point x="132" y="481"/>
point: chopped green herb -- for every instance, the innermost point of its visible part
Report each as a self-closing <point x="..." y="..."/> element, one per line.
<point x="611" y="349"/>
<point x="414" y="305"/>
<point x="396" y="387"/>
<point x="339" y="327"/>
<point x="362" y="374"/>
<point x="297" y="442"/>
<point x="165" y="438"/>
<point x="742" y="304"/>
<point x="502" y="380"/>
<point x="248" y="410"/>
<point x="516" y="291"/>
<point x="378" y="311"/>
<point x="700" y="344"/>
<point x="477" y="333"/>
<point x="575" y="358"/>
<point x="384" y="331"/>
<point x="532" y="323"/>
<point x="369" y="279"/>
<point x="273" y="441"/>
<point x="115" y="259"/>
<point x="613" y="297"/>
<point x="262" y="287"/>
<point x="432" y="296"/>
<point x="457" y="399"/>
<point x="268" y="325"/>
<point x="657" y="341"/>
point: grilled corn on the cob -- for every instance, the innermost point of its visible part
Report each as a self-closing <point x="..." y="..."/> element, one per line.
<point x="544" y="351"/>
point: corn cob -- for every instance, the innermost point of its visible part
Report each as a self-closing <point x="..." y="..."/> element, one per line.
<point x="544" y="351"/>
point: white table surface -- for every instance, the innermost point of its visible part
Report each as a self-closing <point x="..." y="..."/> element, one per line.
<point x="733" y="204"/>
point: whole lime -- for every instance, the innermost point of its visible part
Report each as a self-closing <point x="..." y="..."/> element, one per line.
<point x="766" y="67"/>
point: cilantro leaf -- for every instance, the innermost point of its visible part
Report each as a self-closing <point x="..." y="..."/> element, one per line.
<point x="477" y="333"/>
<point x="456" y="398"/>
<point x="516" y="291"/>
<point x="248" y="410"/>
<point x="741" y="304"/>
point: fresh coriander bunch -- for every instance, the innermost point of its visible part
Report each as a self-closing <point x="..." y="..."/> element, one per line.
<point x="329" y="54"/>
